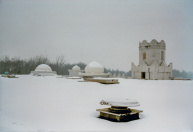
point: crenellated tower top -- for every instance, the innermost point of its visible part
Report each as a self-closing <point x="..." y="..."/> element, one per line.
<point x="152" y="53"/>
<point x="153" y="44"/>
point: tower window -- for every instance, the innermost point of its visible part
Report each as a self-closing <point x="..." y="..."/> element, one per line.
<point x="162" y="55"/>
<point x="144" y="55"/>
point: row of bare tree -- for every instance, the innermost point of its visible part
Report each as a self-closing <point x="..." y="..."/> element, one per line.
<point x="20" y="66"/>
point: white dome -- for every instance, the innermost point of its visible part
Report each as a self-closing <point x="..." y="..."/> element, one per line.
<point x="94" y="67"/>
<point x="43" y="67"/>
<point x="76" y="68"/>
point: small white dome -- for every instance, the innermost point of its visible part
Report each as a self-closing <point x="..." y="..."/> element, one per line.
<point x="43" y="67"/>
<point x="76" y="68"/>
<point x="94" y="67"/>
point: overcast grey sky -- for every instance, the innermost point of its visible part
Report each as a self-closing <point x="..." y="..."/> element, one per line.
<point x="107" y="31"/>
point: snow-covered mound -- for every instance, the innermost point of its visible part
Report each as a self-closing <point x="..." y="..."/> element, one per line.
<point x="94" y="67"/>
<point x="43" y="67"/>
<point x="42" y="104"/>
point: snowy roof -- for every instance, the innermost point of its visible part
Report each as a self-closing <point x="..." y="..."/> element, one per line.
<point x="76" y="68"/>
<point x="43" y="67"/>
<point x="120" y="102"/>
<point x="35" y="102"/>
<point x="94" y="67"/>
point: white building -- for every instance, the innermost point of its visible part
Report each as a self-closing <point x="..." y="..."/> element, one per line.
<point x="75" y="71"/>
<point x="94" y="69"/>
<point x="43" y="70"/>
<point x="152" y="65"/>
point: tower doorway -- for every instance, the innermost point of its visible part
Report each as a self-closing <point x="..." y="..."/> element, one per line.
<point x="143" y="75"/>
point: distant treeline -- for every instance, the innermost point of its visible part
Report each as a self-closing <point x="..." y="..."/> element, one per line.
<point x="20" y="66"/>
<point x="184" y="74"/>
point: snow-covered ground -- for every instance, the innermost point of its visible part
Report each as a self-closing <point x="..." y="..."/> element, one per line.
<point x="30" y="103"/>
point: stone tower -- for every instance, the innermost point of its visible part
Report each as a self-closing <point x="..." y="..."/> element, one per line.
<point x="152" y="62"/>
